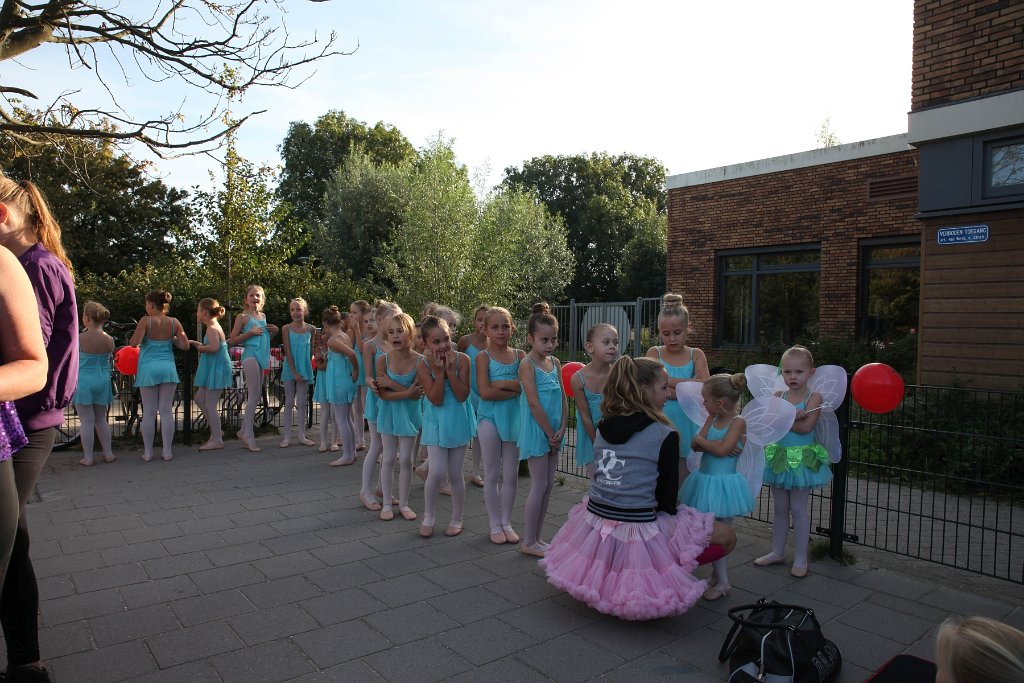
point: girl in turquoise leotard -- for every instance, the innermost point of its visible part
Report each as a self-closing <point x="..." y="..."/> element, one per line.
<point x="682" y="363"/>
<point x="297" y="369"/>
<point x="252" y="331"/>
<point x="213" y="375"/>
<point x="544" y="418"/>
<point x="588" y="390"/>
<point x="795" y="464"/>
<point x="358" y="312"/>
<point x="472" y="345"/>
<point x="94" y="393"/>
<point x="717" y="487"/>
<point x="157" y="375"/>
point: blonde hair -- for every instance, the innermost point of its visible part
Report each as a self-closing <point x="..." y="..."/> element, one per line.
<point x="481" y="308"/>
<point x="95" y="312"/>
<point x="450" y="316"/>
<point x="498" y="310"/>
<point x="980" y="649"/>
<point x="212" y="307"/>
<point x="592" y="332"/>
<point x="385" y="309"/>
<point x="27" y="199"/>
<point x="726" y="387"/>
<point x="408" y="325"/>
<point x="160" y="299"/>
<point x="302" y="302"/>
<point x="672" y="307"/>
<point x="797" y="351"/>
<point x="263" y="295"/>
<point x="624" y="393"/>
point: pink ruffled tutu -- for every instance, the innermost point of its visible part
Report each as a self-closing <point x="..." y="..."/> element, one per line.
<point x="632" y="570"/>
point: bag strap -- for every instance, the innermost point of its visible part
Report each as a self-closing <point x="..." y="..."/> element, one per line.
<point x="729" y="645"/>
<point x="734" y="614"/>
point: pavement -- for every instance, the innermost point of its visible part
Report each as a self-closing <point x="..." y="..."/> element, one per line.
<point x="239" y="566"/>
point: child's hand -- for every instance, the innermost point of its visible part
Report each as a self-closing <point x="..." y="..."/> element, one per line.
<point x="372" y="383"/>
<point x="416" y="390"/>
<point x="695" y="443"/>
<point x="800" y="414"/>
<point x="193" y="343"/>
<point x="556" y="438"/>
<point x="450" y="358"/>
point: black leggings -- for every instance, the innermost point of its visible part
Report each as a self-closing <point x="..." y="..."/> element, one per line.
<point x="19" y="601"/>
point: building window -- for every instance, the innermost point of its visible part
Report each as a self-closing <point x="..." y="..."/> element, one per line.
<point x="1004" y="167"/>
<point x="890" y="288"/>
<point x="768" y="297"/>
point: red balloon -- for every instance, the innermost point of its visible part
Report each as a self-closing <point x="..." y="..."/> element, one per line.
<point x="877" y="388"/>
<point x="568" y="370"/>
<point x="126" y="360"/>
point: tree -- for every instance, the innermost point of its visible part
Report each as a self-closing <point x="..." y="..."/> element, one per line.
<point x="642" y="271"/>
<point x="195" y="42"/>
<point x="312" y="154"/>
<point x="601" y="198"/>
<point x="114" y="215"/>
<point x="826" y="137"/>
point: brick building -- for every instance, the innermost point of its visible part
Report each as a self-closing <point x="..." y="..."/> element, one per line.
<point x="921" y="231"/>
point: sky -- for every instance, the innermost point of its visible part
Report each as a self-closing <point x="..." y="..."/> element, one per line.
<point x="695" y="85"/>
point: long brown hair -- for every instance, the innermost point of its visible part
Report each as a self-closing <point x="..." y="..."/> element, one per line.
<point x="27" y="198"/>
<point x="624" y="391"/>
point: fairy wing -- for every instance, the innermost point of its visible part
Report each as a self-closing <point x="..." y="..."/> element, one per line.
<point x="763" y="379"/>
<point x="769" y="418"/>
<point x="690" y="400"/>
<point x="826" y="433"/>
<point x="830" y="382"/>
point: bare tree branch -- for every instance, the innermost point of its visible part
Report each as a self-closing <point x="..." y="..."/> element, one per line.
<point x="222" y="48"/>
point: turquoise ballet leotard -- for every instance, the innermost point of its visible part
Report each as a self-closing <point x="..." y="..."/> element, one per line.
<point x="257" y="346"/>
<point x="474" y="396"/>
<point x="502" y="414"/>
<point x="214" y="371"/>
<point x="156" y="362"/>
<point x="673" y="411"/>
<point x="532" y="441"/>
<point x="93" y="380"/>
<point x="584" y="444"/>
<point x="300" y="345"/>
<point x="373" y="401"/>
<point x="449" y="425"/>
<point x="341" y="388"/>
<point x="717" y="487"/>
<point x="361" y="377"/>
<point x="402" y="417"/>
<point x="796" y="461"/>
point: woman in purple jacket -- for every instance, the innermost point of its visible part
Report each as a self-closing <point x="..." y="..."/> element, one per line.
<point x="30" y="232"/>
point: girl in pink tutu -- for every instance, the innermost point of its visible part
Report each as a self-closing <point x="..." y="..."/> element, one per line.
<point x="627" y="550"/>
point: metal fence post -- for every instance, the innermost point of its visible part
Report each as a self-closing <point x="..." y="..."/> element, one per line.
<point x="837" y="518"/>
<point x="186" y="399"/>
<point x="574" y="331"/>
<point x="638" y="326"/>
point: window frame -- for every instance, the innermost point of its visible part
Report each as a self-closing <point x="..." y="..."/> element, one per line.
<point x="754" y="271"/>
<point x="866" y="265"/>
<point x="983" y="190"/>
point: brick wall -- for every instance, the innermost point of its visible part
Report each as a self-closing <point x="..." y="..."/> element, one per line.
<point x="827" y="204"/>
<point x="965" y="49"/>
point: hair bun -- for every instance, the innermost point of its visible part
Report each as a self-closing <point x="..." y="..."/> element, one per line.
<point x="738" y="381"/>
<point x="541" y="308"/>
<point x="217" y="311"/>
<point x="672" y="301"/>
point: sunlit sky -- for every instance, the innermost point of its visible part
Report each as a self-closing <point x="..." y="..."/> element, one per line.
<point x="694" y="84"/>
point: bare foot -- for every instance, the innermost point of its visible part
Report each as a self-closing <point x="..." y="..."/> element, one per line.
<point x="85" y="462"/>
<point x="109" y="458"/>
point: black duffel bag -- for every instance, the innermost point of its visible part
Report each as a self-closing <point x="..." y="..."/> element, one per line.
<point x="775" y="643"/>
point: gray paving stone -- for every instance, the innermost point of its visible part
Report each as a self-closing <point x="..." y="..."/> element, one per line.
<point x="281" y="591"/>
<point x="344" y="534"/>
<point x="342" y="553"/>
<point x="270" y="662"/>
<point x="250" y="517"/>
<point x="458" y="576"/>
<point x="248" y="534"/>
<point x="403" y="590"/>
<point x="133" y="624"/>
<point x="65" y="639"/>
<point x="507" y="561"/>
<point x="342" y="673"/>
<point x="105" y="524"/>
<point x="194" y="543"/>
<point x="420" y="661"/>
<point x="158" y="532"/>
<point x="485" y="641"/>
<point x="472" y="604"/>
<point x="218" y="509"/>
<point x="193" y="643"/>
<point x="656" y="667"/>
<point x="300" y="525"/>
<point x="827" y="589"/>
<point x="75" y="607"/>
<point x="55" y="587"/>
<point x="340" y="643"/>
<point x="342" y="606"/>
<point x="966" y="604"/>
<point x="892" y="583"/>
<point x="159" y="517"/>
<point x="211" y="607"/>
<point x="293" y="543"/>
<point x="109" y="539"/>
<point x="223" y="578"/>
<point x="77" y="514"/>
<point x="331" y="579"/>
<point x="193" y="672"/>
<point x="626" y="639"/>
<point x="506" y="669"/>
<point x="444" y="550"/>
<point x="411" y="622"/>
<point x="157" y="591"/>
<point x="694" y="619"/>
<point x="110" y="577"/>
<point x="281" y="566"/>
<point x="272" y="624"/>
<point x="523" y="589"/>
<point x="568" y="658"/>
<point x="44" y="549"/>
<point x="545" y="620"/>
<point x="303" y="509"/>
<point x="174" y="565"/>
<point x="263" y="502"/>
<point x="396" y="564"/>
<point x="205" y="525"/>
<point x="183" y="501"/>
<point x="235" y="554"/>
<point x="699" y="649"/>
<point x="862" y="648"/>
<point x="123" y="662"/>
<point x="135" y="552"/>
<point x="897" y="626"/>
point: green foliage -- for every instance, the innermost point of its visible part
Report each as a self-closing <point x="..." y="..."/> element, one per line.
<point x="312" y="153"/>
<point x="850" y="353"/>
<point x="602" y="200"/>
<point x="113" y="215"/>
<point x="642" y="269"/>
